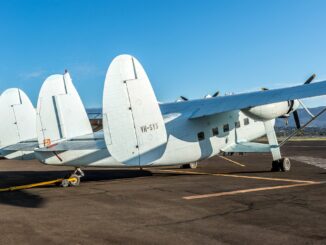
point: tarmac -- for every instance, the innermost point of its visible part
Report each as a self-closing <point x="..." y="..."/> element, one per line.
<point x="232" y="200"/>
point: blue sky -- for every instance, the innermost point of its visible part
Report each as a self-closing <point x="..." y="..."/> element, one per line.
<point x="188" y="48"/>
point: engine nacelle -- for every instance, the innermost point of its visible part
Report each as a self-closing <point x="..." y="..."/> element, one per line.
<point x="272" y="111"/>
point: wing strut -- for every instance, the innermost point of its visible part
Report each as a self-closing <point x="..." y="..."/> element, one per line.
<point x="305" y="125"/>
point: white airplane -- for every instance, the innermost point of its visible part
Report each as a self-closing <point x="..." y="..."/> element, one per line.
<point x="140" y="132"/>
<point x="18" y="137"/>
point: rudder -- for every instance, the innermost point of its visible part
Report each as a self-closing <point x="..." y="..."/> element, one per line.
<point x="18" y="122"/>
<point x="133" y="125"/>
<point x="60" y="112"/>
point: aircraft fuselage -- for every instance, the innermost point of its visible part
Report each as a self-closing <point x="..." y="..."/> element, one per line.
<point x="188" y="141"/>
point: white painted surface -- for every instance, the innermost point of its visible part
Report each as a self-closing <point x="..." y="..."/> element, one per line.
<point x="133" y="124"/>
<point x="18" y="121"/>
<point x="182" y="147"/>
<point x="271" y="111"/>
<point x="60" y="111"/>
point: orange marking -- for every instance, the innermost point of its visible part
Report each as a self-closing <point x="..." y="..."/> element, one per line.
<point x="47" y="142"/>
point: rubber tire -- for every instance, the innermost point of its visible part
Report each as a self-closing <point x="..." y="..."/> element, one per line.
<point x="76" y="182"/>
<point x="192" y="165"/>
<point x="285" y="164"/>
<point x="275" y="166"/>
<point x="64" y="183"/>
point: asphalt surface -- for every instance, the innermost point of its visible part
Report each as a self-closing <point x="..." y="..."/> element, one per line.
<point x="220" y="202"/>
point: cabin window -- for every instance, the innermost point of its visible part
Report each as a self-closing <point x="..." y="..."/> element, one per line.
<point x="201" y="136"/>
<point x="246" y="121"/>
<point x="237" y="124"/>
<point x="226" y="128"/>
<point x="215" y="131"/>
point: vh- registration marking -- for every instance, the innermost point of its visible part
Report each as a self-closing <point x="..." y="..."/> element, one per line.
<point x="149" y="127"/>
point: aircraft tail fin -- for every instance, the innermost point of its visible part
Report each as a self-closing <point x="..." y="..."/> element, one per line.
<point x="18" y="122"/>
<point x="60" y="112"/>
<point x="133" y="125"/>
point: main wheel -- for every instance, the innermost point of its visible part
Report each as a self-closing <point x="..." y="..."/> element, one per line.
<point x="276" y="166"/>
<point x="285" y="164"/>
<point x="192" y="165"/>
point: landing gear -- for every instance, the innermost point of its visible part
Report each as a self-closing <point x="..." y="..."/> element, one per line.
<point x="282" y="164"/>
<point x="73" y="179"/>
<point x="192" y="165"/>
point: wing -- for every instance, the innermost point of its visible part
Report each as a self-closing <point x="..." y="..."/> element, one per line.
<point x="211" y="106"/>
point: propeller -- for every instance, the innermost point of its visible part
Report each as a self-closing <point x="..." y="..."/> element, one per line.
<point x="291" y="104"/>
<point x="295" y="113"/>
<point x="309" y="80"/>
<point x="212" y="96"/>
<point x="216" y="94"/>
<point x="184" y="98"/>
<point x="296" y="119"/>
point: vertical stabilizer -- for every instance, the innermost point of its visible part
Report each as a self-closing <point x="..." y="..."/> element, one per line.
<point x="60" y="111"/>
<point x="17" y="121"/>
<point x="133" y="125"/>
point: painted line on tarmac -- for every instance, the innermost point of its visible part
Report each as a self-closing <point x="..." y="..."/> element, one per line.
<point x="297" y="183"/>
<point x="266" y="178"/>
<point x="232" y="161"/>
<point x="239" y="176"/>
<point x="231" y="193"/>
<point x="306" y="146"/>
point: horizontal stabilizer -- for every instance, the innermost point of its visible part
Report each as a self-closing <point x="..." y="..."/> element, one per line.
<point x="71" y="145"/>
<point x="22" y="146"/>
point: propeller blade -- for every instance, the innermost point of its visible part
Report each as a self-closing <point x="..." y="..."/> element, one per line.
<point x="216" y="94"/>
<point x="184" y="98"/>
<point x="309" y="80"/>
<point x="296" y="119"/>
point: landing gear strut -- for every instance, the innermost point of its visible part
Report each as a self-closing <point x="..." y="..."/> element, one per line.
<point x="282" y="164"/>
<point x="73" y="179"/>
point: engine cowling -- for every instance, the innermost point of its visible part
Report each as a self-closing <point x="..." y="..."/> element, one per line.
<point x="272" y="111"/>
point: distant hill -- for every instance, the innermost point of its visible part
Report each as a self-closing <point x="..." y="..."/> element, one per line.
<point x="304" y="117"/>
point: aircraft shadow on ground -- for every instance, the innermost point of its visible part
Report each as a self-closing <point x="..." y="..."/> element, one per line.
<point x="97" y="175"/>
<point x="25" y="198"/>
<point x="15" y="178"/>
<point x="21" y="199"/>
